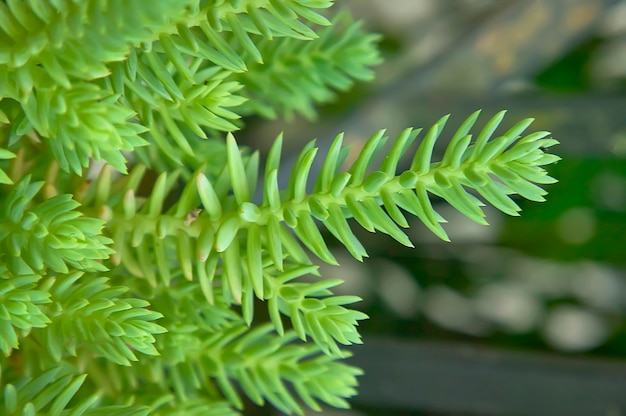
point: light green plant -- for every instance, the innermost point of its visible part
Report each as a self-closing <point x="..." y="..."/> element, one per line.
<point x="131" y="289"/>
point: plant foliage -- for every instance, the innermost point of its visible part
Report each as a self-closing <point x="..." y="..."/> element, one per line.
<point x="134" y="259"/>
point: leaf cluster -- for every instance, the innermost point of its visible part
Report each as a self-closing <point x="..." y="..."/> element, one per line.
<point x="138" y="274"/>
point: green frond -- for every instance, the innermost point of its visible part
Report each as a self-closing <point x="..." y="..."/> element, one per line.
<point x="201" y="42"/>
<point x="88" y="313"/>
<point x="52" y="392"/>
<point x="82" y="123"/>
<point x="255" y="361"/>
<point x="262" y="365"/>
<point x="177" y="118"/>
<point x="119" y="410"/>
<point x="173" y="81"/>
<point x="274" y="368"/>
<point x="286" y="221"/>
<point x="135" y="293"/>
<point x="21" y="303"/>
<point x="5" y="154"/>
<point x="220" y="30"/>
<point x="50" y="235"/>
<point x="298" y="76"/>
<point x="192" y="314"/>
<point x="46" y="43"/>
<point x="311" y="307"/>
<point x="48" y="53"/>
<point x="196" y="407"/>
<point x="268" y="17"/>
<point x="108" y="136"/>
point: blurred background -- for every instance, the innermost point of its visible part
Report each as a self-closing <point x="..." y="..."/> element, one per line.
<point x="525" y="316"/>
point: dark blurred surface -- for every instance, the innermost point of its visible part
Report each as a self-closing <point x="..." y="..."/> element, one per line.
<point x="462" y="379"/>
<point x="526" y="316"/>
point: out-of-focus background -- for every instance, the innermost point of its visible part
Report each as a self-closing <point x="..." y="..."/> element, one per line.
<point x="526" y="316"/>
